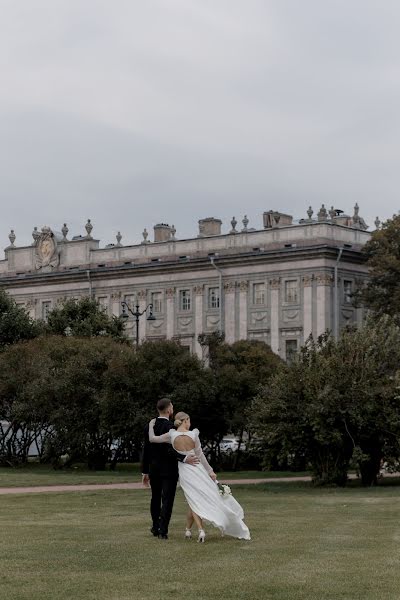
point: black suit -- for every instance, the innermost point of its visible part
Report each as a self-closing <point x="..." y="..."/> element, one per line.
<point x="160" y="462"/>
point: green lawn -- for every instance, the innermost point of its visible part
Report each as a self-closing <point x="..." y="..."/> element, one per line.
<point x="35" y="474"/>
<point x="307" y="544"/>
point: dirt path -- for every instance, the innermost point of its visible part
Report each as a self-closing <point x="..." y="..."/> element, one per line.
<point x="44" y="489"/>
<point x="92" y="487"/>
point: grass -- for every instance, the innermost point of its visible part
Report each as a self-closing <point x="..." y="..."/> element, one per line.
<point x="35" y="474"/>
<point x="307" y="544"/>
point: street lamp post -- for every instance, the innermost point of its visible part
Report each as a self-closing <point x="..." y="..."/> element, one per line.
<point x="137" y="314"/>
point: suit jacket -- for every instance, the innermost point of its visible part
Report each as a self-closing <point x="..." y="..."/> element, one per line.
<point x="160" y="459"/>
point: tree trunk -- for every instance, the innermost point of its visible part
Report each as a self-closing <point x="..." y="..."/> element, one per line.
<point x="237" y="456"/>
<point x="369" y="469"/>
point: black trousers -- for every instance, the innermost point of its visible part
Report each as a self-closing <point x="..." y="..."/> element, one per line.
<point x="163" y="489"/>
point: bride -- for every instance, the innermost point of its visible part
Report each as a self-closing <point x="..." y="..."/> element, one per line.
<point x="198" y="483"/>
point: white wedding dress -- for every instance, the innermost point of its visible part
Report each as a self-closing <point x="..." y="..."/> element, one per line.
<point x="201" y="492"/>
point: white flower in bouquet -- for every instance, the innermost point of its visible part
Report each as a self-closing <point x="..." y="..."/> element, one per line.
<point x="224" y="490"/>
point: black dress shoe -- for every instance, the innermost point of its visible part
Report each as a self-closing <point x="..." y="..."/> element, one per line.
<point x="163" y="536"/>
<point x="154" y="531"/>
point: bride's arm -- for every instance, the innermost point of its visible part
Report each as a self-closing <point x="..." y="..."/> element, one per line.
<point x="158" y="439"/>
<point x="200" y="455"/>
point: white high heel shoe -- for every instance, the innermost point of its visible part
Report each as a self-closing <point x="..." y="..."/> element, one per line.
<point x="188" y="534"/>
<point x="202" y="536"/>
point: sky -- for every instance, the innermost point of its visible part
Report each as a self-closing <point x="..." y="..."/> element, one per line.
<point x="136" y="112"/>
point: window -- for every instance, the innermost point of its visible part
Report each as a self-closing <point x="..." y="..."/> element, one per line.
<point x="156" y="300"/>
<point x="46" y="308"/>
<point x="213" y="297"/>
<point x="184" y="300"/>
<point x="103" y="303"/>
<point x="347" y="291"/>
<point x="291" y="291"/>
<point x="258" y="294"/>
<point x="291" y="349"/>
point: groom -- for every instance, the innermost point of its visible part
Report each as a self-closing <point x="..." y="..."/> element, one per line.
<point x="160" y="470"/>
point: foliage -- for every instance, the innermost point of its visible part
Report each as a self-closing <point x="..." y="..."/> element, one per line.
<point x="165" y="368"/>
<point x="238" y="370"/>
<point x="89" y="398"/>
<point x="382" y="292"/>
<point x="337" y="400"/>
<point x="84" y="318"/>
<point x="15" y="323"/>
<point x="51" y="387"/>
<point x="135" y="381"/>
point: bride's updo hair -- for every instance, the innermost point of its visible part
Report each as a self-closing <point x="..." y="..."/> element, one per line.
<point x="179" y="418"/>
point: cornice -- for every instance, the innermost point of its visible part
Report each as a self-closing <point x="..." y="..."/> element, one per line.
<point x="275" y="256"/>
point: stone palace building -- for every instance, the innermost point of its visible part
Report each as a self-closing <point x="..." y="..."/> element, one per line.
<point x="277" y="282"/>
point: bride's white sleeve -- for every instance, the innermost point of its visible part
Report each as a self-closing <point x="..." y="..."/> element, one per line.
<point x="158" y="439"/>
<point x="200" y="454"/>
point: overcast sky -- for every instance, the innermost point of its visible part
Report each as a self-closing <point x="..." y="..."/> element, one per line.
<point x="134" y="112"/>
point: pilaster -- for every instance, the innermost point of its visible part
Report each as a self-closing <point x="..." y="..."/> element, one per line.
<point x="116" y="303"/>
<point x="243" y="295"/>
<point x="307" y="306"/>
<point x="229" y="304"/>
<point x="170" y="297"/>
<point x="141" y="299"/>
<point x="275" y="285"/>
<point x="324" y="284"/>
<point x="198" y="292"/>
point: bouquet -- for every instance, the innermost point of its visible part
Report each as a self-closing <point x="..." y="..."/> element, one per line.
<point x="224" y="490"/>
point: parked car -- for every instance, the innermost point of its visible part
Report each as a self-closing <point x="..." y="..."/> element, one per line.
<point x="228" y="445"/>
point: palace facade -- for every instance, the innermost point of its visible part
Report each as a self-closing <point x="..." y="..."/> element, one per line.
<point x="277" y="282"/>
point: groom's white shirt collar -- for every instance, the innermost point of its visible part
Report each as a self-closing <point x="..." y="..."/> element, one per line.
<point x="163" y="418"/>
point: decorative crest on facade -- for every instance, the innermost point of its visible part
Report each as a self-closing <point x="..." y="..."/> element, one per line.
<point x="46" y="251"/>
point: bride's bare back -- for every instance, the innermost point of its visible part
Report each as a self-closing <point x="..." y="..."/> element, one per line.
<point x="183" y="443"/>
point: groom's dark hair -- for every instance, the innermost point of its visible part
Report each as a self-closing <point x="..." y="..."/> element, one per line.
<point x="163" y="404"/>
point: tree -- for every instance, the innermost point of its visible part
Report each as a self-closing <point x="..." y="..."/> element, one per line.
<point x="337" y="401"/>
<point x="84" y="318"/>
<point x="52" y="389"/>
<point x="15" y="323"/>
<point x="90" y="398"/>
<point x="133" y="384"/>
<point x="165" y="368"/>
<point x="382" y="292"/>
<point x="238" y="369"/>
<point x="23" y="411"/>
